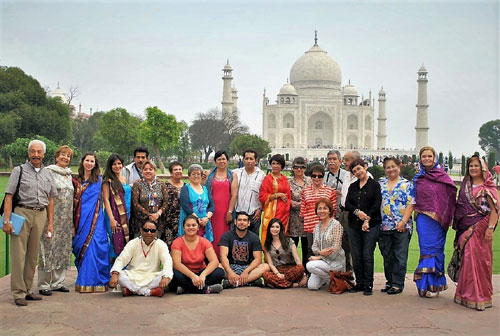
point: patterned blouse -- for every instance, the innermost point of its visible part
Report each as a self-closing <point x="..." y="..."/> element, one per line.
<point x="148" y="199"/>
<point x="394" y="204"/>
<point x="331" y="237"/>
<point x="296" y="224"/>
<point x="308" y="204"/>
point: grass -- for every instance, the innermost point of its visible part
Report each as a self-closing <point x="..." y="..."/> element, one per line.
<point x="413" y="253"/>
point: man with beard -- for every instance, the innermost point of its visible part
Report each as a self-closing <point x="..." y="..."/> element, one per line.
<point x="241" y="255"/>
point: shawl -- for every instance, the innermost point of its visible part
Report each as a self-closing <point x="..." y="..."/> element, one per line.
<point x="469" y="209"/>
<point x="60" y="170"/>
<point x="211" y="177"/>
<point x="435" y="194"/>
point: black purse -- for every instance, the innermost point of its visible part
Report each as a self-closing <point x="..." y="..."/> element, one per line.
<point x="456" y="258"/>
<point x="15" y="197"/>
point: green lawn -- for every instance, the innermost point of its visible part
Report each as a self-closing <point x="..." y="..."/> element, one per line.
<point x="412" y="255"/>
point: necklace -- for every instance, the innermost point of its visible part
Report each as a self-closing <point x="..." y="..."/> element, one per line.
<point x="149" y="249"/>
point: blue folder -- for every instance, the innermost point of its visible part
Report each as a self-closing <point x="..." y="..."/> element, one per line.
<point x="17" y="222"/>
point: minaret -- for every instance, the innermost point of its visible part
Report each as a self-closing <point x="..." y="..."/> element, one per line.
<point x="227" y="93"/>
<point x="422" y="127"/>
<point x="381" y="133"/>
<point x="235" y="98"/>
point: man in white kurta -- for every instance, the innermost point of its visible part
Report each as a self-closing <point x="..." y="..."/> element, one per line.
<point x="148" y="265"/>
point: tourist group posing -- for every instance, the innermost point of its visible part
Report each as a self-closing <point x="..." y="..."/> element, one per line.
<point x="128" y="228"/>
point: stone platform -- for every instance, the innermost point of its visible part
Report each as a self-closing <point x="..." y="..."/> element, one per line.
<point x="248" y="311"/>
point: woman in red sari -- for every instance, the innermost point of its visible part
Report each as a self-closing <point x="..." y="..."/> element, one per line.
<point x="275" y="195"/>
<point x="476" y="216"/>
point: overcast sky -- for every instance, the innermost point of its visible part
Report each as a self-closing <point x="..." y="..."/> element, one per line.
<point x="170" y="54"/>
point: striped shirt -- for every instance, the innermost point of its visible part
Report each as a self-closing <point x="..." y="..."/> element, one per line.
<point x="248" y="190"/>
<point x="308" y="204"/>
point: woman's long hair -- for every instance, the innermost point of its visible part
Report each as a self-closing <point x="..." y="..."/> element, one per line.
<point x="94" y="174"/>
<point x="285" y="241"/>
<point x="110" y="176"/>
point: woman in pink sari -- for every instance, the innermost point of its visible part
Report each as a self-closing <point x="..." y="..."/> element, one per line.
<point x="476" y="217"/>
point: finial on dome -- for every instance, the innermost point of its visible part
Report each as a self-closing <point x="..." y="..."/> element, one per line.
<point x="58" y="85"/>
<point x="315" y="37"/>
<point x="349" y="82"/>
<point x="287" y="80"/>
<point x="227" y="61"/>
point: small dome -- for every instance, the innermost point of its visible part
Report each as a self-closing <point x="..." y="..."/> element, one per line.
<point x="287" y="89"/>
<point x="422" y="69"/>
<point x="350" y="90"/>
<point x="59" y="93"/>
<point x="381" y="92"/>
<point x="227" y="66"/>
<point x="315" y="67"/>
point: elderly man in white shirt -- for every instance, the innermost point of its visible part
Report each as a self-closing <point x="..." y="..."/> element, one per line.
<point x="148" y="265"/>
<point x="249" y="181"/>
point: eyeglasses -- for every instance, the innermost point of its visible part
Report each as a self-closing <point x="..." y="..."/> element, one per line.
<point x="149" y="230"/>
<point x="299" y="167"/>
<point x="316" y="176"/>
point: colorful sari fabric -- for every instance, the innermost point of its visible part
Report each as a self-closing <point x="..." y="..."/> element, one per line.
<point x="120" y="207"/>
<point x="474" y="288"/>
<point x="434" y="195"/>
<point x="275" y="208"/>
<point x="90" y="244"/>
<point x="198" y="204"/>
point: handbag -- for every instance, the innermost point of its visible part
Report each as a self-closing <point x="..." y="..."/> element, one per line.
<point x="340" y="282"/>
<point x="456" y="258"/>
<point x="15" y="197"/>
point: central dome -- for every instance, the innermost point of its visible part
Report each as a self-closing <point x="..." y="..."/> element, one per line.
<point x="315" y="68"/>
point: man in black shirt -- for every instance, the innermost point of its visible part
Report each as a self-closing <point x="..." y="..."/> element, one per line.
<point x="241" y="255"/>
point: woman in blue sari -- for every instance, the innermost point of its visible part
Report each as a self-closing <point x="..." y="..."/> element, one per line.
<point x="117" y="197"/>
<point x="197" y="200"/>
<point x="434" y="195"/>
<point x="90" y="244"/>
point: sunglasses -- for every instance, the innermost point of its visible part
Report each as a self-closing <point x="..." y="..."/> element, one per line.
<point x="299" y="167"/>
<point x="149" y="230"/>
<point x="316" y="176"/>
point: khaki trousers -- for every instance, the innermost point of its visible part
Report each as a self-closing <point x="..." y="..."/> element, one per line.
<point x="24" y="251"/>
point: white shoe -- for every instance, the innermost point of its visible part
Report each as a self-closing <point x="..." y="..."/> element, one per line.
<point x="431" y="294"/>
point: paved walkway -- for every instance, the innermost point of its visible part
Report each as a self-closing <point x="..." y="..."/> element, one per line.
<point x="248" y="311"/>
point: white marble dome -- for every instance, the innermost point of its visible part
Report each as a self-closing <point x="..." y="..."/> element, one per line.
<point x="315" y="67"/>
<point x="350" y="90"/>
<point x="288" y="89"/>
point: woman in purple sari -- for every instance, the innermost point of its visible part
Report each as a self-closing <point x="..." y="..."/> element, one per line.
<point x="434" y="196"/>
<point x="476" y="218"/>
<point x="117" y="195"/>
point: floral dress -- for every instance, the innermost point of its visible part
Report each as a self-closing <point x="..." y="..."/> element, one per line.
<point x="394" y="204"/>
<point x="296" y="226"/>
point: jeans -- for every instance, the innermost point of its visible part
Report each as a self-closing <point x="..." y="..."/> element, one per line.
<point x="363" y="245"/>
<point x="185" y="282"/>
<point x="394" y="248"/>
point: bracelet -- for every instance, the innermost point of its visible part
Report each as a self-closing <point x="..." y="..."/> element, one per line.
<point x="492" y="227"/>
<point x="356" y="212"/>
<point x="230" y="211"/>
<point x="115" y="272"/>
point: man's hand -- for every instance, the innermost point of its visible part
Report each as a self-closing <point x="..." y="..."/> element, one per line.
<point x="256" y="215"/>
<point x="244" y="278"/>
<point x="7" y="228"/>
<point x="164" y="282"/>
<point x="50" y="231"/>
<point x="114" y="280"/>
<point x="233" y="278"/>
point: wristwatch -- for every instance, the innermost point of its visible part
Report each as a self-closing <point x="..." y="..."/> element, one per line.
<point x="5" y="222"/>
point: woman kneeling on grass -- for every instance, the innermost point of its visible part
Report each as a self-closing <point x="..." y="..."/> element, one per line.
<point x="189" y="251"/>
<point x="281" y="255"/>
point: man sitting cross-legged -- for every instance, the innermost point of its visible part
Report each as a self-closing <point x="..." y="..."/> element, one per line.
<point x="241" y="255"/>
<point x="148" y="265"/>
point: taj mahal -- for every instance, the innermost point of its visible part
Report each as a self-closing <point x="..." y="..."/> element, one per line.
<point x="314" y="113"/>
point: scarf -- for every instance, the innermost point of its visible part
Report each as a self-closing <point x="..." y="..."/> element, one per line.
<point x="435" y="194"/>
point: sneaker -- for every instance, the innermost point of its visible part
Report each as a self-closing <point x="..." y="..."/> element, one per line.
<point x="157" y="291"/>
<point x="226" y="284"/>
<point x="368" y="290"/>
<point x="180" y="290"/>
<point x="258" y="283"/>
<point x="214" y="289"/>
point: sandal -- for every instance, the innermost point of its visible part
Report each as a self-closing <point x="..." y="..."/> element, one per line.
<point x="303" y="282"/>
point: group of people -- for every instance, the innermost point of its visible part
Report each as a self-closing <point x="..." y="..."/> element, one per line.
<point x="129" y="228"/>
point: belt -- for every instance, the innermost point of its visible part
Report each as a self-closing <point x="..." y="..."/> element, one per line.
<point x="31" y="208"/>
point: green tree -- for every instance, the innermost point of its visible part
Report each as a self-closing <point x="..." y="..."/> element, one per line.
<point x="18" y="150"/>
<point x="450" y="160"/>
<point x="26" y="111"/>
<point x="86" y="136"/>
<point x="121" y="131"/>
<point x="489" y="136"/>
<point x="408" y="172"/>
<point x="491" y="160"/>
<point x="441" y="158"/>
<point x="376" y="171"/>
<point x="184" y="151"/>
<point x="249" y="141"/>
<point x="161" y="130"/>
